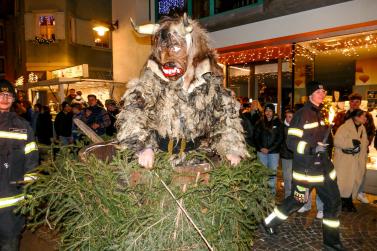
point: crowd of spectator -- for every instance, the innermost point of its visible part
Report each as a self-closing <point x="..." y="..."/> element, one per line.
<point x="267" y="133"/>
<point x="63" y="130"/>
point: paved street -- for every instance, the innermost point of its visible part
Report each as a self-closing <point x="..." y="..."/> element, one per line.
<point x="304" y="232"/>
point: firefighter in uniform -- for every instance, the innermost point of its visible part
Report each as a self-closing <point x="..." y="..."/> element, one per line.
<point x="312" y="168"/>
<point x="18" y="155"/>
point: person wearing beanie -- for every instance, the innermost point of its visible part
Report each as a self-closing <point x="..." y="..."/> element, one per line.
<point x="342" y="116"/>
<point x="18" y="156"/>
<point x="268" y="138"/>
<point x="312" y="168"/>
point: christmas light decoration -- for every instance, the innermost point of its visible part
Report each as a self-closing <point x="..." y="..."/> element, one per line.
<point x="346" y="45"/>
<point x="255" y="55"/>
<point x="20" y="81"/>
<point x="164" y="6"/>
<point x="33" y="78"/>
<point x="42" y="40"/>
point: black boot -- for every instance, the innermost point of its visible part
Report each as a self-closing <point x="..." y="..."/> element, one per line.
<point x="334" y="247"/>
<point x="344" y="205"/>
<point x="350" y="206"/>
<point x="268" y="229"/>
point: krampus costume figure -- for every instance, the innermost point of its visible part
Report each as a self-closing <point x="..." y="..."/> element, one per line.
<point x="179" y="104"/>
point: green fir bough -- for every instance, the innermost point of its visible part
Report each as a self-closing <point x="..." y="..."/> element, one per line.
<point x="98" y="206"/>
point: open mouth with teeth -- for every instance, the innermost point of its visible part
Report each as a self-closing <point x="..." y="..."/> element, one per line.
<point x="172" y="70"/>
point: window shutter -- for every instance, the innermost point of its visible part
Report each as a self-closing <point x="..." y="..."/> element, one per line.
<point x="84" y="32"/>
<point x="59" y="25"/>
<point x="29" y="26"/>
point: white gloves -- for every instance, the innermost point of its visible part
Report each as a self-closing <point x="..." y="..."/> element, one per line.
<point x="234" y="159"/>
<point x="146" y="158"/>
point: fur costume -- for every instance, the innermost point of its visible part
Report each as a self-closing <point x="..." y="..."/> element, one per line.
<point x="193" y="106"/>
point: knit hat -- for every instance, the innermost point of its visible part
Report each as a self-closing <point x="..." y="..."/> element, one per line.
<point x="269" y="107"/>
<point x="6" y="86"/>
<point x="312" y="86"/>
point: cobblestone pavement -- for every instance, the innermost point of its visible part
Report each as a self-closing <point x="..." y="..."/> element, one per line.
<point x="304" y="231"/>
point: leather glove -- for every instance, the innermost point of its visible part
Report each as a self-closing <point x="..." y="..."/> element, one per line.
<point x="146" y="158"/>
<point x="356" y="142"/>
<point x="301" y="194"/>
<point x="321" y="148"/>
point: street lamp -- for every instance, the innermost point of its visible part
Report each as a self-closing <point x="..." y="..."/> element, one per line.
<point x="101" y="30"/>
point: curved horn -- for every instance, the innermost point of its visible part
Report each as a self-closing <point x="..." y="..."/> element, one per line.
<point x="188" y="26"/>
<point x="147" y="29"/>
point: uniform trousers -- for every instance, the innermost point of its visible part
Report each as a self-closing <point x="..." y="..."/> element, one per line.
<point x="329" y="194"/>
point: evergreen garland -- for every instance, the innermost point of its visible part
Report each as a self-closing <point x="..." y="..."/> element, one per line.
<point x="97" y="206"/>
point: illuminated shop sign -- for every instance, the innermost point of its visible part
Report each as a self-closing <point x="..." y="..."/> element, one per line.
<point x="72" y="72"/>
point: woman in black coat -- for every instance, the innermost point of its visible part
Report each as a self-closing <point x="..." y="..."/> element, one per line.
<point x="44" y="129"/>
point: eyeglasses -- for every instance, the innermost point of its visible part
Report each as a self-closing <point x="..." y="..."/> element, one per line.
<point x="5" y="95"/>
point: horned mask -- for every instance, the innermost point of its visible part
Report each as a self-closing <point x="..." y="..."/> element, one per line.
<point x="172" y="42"/>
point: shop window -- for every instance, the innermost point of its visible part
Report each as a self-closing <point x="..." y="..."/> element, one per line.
<point x="226" y="5"/>
<point x="2" y="65"/>
<point x="47" y="27"/>
<point x="239" y="79"/>
<point x="200" y="8"/>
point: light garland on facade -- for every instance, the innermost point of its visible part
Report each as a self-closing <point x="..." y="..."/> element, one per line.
<point x="347" y="46"/>
<point x="255" y="55"/>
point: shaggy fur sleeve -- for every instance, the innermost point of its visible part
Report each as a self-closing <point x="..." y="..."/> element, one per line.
<point x="228" y="136"/>
<point x="135" y="120"/>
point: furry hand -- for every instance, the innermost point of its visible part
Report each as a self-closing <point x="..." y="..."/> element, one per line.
<point x="146" y="158"/>
<point x="234" y="159"/>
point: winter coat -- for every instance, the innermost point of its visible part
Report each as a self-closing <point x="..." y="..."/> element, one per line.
<point x="269" y="134"/>
<point x="44" y="128"/>
<point x="63" y="124"/>
<point x="285" y="153"/>
<point x="98" y="116"/>
<point x="343" y="116"/>
<point x="111" y="130"/>
<point x="350" y="168"/>
<point x="248" y="128"/>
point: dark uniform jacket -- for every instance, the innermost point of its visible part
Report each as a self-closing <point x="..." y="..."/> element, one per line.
<point x="285" y="153"/>
<point x="269" y="134"/>
<point x="18" y="155"/>
<point x="307" y="128"/>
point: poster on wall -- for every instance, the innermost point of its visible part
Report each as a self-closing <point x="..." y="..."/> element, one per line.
<point x="366" y="72"/>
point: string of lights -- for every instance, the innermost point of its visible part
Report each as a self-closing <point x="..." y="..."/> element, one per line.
<point x="347" y="46"/>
